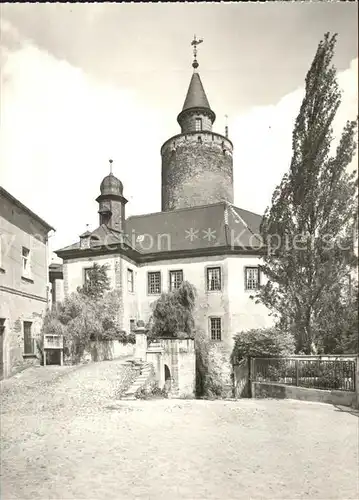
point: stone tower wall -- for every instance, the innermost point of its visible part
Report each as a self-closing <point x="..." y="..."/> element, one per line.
<point x="197" y="169"/>
<point x="188" y="121"/>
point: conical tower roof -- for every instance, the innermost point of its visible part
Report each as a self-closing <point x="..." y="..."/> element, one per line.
<point x="196" y="99"/>
<point x="196" y="96"/>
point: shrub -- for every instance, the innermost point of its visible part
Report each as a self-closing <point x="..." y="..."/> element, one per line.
<point x="154" y="392"/>
<point x="269" y="342"/>
<point x="213" y="370"/>
<point x="131" y="338"/>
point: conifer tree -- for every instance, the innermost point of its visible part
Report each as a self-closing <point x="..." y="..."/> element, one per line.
<point x="309" y="228"/>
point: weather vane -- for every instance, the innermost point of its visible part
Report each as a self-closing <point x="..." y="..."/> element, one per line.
<point x="195" y="42"/>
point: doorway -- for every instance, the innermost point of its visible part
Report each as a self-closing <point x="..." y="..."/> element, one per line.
<point x="167" y="379"/>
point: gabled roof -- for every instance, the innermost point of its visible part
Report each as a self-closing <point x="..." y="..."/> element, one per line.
<point x="202" y="229"/>
<point x="196" y="96"/>
<point x="85" y="234"/>
<point x="103" y="235"/>
<point x="23" y="207"/>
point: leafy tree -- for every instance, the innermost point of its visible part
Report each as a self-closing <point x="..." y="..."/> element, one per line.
<point x="262" y="342"/>
<point x="336" y="324"/>
<point x="97" y="282"/>
<point x="308" y="230"/>
<point x="173" y="312"/>
<point x="82" y="319"/>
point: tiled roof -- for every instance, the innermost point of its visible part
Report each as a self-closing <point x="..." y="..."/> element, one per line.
<point x="191" y="229"/>
<point x="100" y="236"/>
<point x="194" y="228"/>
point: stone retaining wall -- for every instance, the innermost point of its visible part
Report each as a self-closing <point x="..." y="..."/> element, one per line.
<point x="106" y="350"/>
<point x="262" y="390"/>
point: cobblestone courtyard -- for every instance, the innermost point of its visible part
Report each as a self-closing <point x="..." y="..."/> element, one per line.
<point x="65" y="436"/>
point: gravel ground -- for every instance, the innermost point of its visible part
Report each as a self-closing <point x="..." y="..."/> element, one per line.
<point x="65" y="436"/>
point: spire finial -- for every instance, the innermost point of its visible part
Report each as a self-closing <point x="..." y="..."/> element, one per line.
<point x="226" y="126"/>
<point x="195" y="42"/>
<point x="110" y="161"/>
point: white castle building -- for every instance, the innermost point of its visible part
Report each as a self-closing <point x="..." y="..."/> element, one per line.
<point x="199" y="236"/>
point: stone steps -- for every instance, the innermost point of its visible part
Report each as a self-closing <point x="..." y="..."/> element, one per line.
<point x="140" y="381"/>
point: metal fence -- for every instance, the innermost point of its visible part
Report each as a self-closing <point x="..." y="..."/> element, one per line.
<point x="312" y="373"/>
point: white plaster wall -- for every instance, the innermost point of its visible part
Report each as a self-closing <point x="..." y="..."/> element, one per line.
<point x="130" y="299"/>
<point x="232" y="303"/>
<point x="74" y="270"/>
<point x="74" y="277"/>
<point x="12" y="240"/>
<point x="245" y="314"/>
<point x="194" y="271"/>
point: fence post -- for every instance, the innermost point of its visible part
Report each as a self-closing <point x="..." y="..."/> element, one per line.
<point x="356" y="381"/>
<point x="296" y="372"/>
<point x="250" y="376"/>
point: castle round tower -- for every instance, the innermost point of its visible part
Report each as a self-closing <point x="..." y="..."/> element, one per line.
<point x="197" y="164"/>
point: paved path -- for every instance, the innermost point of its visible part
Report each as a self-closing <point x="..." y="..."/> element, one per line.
<point x="67" y="437"/>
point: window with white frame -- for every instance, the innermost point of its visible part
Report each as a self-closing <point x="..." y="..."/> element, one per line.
<point x="176" y="279"/>
<point x="130" y="280"/>
<point x="216" y="328"/>
<point x="198" y="124"/>
<point x="28" y="340"/>
<point x="26" y="265"/>
<point x="251" y="278"/>
<point x="154" y="283"/>
<point x="214" y="281"/>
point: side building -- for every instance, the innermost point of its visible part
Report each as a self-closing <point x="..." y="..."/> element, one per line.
<point x="23" y="283"/>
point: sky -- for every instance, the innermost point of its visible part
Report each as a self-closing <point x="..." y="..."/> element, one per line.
<point x="83" y="83"/>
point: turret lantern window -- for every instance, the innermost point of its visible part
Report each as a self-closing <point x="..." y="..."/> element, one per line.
<point x="198" y="124"/>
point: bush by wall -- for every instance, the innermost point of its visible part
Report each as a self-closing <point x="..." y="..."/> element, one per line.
<point x="82" y="320"/>
<point x="213" y="369"/>
<point x="262" y="342"/>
